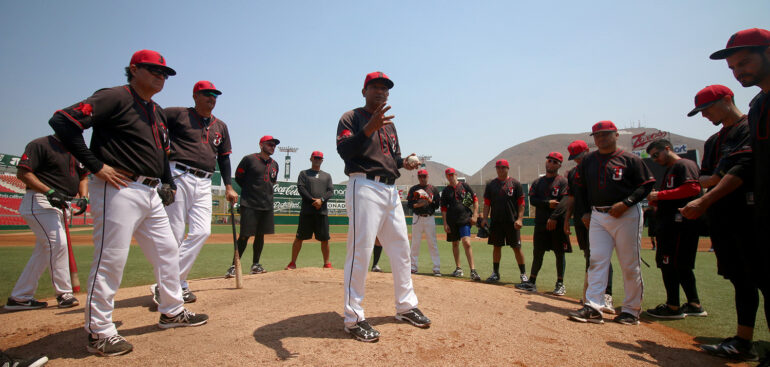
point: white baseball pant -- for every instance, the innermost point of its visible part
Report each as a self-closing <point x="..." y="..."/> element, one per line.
<point x="425" y="225"/>
<point x="46" y="222"/>
<point x="624" y="234"/>
<point x="192" y="206"/>
<point x="374" y="211"/>
<point x="135" y="211"/>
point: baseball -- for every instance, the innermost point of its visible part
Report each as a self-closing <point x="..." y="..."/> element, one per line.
<point x="413" y="160"/>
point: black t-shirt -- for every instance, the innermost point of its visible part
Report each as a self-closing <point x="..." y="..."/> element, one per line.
<point x="727" y="151"/>
<point x="196" y="141"/>
<point x="606" y="179"/>
<point x="683" y="171"/>
<point x="577" y="205"/>
<point x="759" y="122"/>
<point x="414" y="197"/>
<point x="53" y="165"/>
<point x="256" y="178"/>
<point x="314" y="184"/>
<point x="378" y="155"/>
<point x="504" y="198"/>
<point x="457" y="202"/>
<point x="543" y="190"/>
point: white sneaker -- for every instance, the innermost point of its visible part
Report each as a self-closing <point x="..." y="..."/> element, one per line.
<point x="608" y="307"/>
<point x="523" y="277"/>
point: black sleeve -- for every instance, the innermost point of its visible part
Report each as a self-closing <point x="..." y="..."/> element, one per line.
<point x="224" y="168"/>
<point x="329" y="188"/>
<point x="240" y="172"/>
<point x="639" y="194"/>
<point x="534" y="199"/>
<point x="166" y="177"/>
<point x="72" y="138"/>
<point x="581" y="193"/>
<point x="302" y="187"/>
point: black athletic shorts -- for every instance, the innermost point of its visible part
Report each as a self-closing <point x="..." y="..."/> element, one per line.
<point x="256" y="222"/>
<point x="556" y="240"/>
<point x="677" y="244"/>
<point x="313" y="224"/>
<point x="458" y="231"/>
<point x="501" y="234"/>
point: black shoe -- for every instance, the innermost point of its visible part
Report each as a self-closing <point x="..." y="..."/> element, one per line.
<point x="494" y="278"/>
<point x="230" y="272"/>
<point x="111" y="346"/>
<point x="587" y="314"/>
<point x="626" y="318"/>
<point x="32" y="304"/>
<point x="691" y="310"/>
<point x="6" y="360"/>
<point x="155" y="291"/>
<point x="474" y="275"/>
<point x="558" y="290"/>
<point x="732" y="347"/>
<point x="363" y="332"/>
<point x="527" y="286"/>
<point x="458" y="273"/>
<point x="66" y="300"/>
<point x="182" y="319"/>
<point x="662" y="311"/>
<point x="188" y="296"/>
<point x="414" y="317"/>
<point x="257" y="269"/>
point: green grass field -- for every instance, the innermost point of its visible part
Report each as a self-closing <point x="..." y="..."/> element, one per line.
<point x="715" y="292"/>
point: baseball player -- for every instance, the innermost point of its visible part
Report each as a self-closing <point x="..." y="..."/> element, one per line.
<point x="256" y="174"/>
<point x="504" y="200"/>
<point x="612" y="182"/>
<point x="368" y="143"/>
<point x="51" y="174"/>
<point x="677" y="236"/>
<point x="459" y="210"/>
<point x="545" y="194"/>
<point x="199" y="141"/>
<point x="316" y="188"/>
<point x="424" y="199"/>
<point x="128" y="158"/>
<point x="578" y="149"/>
<point x="377" y="252"/>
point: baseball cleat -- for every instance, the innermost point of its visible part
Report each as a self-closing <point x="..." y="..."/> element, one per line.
<point x="257" y="269"/>
<point x="111" y="346"/>
<point x="559" y="289"/>
<point x="523" y="277"/>
<point x="494" y="278"/>
<point x="376" y="269"/>
<point x="291" y="266"/>
<point x="230" y="272"/>
<point x="14" y="305"/>
<point x="587" y="314"/>
<point x="182" y="319"/>
<point x="188" y="296"/>
<point x="414" y="317"/>
<point x="527" y="286"/>
<point x="734" y="348"/>
<point x="662" y="311"/>
<point x="474" y="275"/>
<point x="363" y="331"/>
<point x="626" y="318"/>
<point x="414" y="271"/>
<point x="437" y="273"/>
<point x="690" y="310"/>
<point x="609" y="305"/>
<point x="155" y="294"/>
<point x="8" y="361"/>
<point x="458" y="273"/>
<point x="66" y="300"/>
<point x="328" y="266"/>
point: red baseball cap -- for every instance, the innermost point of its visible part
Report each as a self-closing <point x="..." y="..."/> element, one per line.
<point x="449" y="171"/>
<point x="150" y="57"/>
<point x="576" y="149"/>
<point x="708" y="96"/>
<point x="380" y="76"/>
<point x="205" y="85"/>
<point x="316" y="154"/>
<point x="556" y="155"/>
<point x="605" y="125"/>
<point x="502" y="163"/>
<point x="269" y="138"/>
<point x="422" y="172"/>
<point x="754" y="37"/>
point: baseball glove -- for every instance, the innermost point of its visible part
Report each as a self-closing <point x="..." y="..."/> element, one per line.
<point x="166" y="194"/>
<point x="56" y="199"/>
<point x="81" y="204"/>
<point x="468" y="200"/>
<point x="483" y="230"/>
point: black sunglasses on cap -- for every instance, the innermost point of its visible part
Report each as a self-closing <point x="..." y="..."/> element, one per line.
<point x="155" y="70"/>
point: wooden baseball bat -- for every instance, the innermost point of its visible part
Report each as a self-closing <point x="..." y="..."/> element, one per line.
<point x="236" y="258"/>
<point x="73" y="265"/>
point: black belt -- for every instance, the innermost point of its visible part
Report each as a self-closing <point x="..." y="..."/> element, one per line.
<point x="423" y="215"/>
<point x="147" y="181"/>
<point x="602" y="209"/>
<point x="193" y="171"/>
<point x="385" y="180"/>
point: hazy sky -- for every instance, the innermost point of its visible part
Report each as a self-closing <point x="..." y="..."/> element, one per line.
<point x="471" y="78"/>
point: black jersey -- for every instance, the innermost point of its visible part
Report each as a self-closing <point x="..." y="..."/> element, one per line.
<point x="606" y="179"/>
<point x="504" y="198"/>
<point x="196" y="141"/>
<point x="683" y="171"/>
<point x="378" y="155"/>
<point x="759" y="123"/>
<point x="457" y="202"/>
<point x="256" y="178"/>
<point x="53" y="165"/>
<point x="577" y="205"/>
<point x="414" y="196"/>
<point x="314" y="184"/>
<point x="721" y="149"/>
<point x="541" y="192"/>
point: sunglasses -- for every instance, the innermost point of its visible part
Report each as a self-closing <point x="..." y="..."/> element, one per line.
<point x="209" y="93"/>
<point x="553" y="161"/>
<point x="318" y="158"/>
<point x="422" y="175"/>
<point x="155" y="70"/>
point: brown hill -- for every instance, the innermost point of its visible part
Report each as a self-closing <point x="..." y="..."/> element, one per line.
<point x="435" y="174"/>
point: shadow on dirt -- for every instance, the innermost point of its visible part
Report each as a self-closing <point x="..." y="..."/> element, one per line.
<point x="661" y="355"/>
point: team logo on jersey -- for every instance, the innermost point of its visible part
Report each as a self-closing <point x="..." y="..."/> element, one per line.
<point x="24" y="157"/>
<point x="85" y="108"/>
<point x="273" y="172"/>
<point x="670" y="182"/>
<point x="344" y="134"/>
<point x="665" y="259"/>
<point x="617" y="173"/>
<point x="393" y="142"/>
<point x="217" y="139"/>
<point x="555" y="191"/>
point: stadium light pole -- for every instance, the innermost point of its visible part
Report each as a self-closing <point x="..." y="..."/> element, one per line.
<point x="287" y="161"/>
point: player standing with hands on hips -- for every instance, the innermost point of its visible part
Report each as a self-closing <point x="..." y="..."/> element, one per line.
<point x="128" y="158"/>
<point x="368" y="143"/>
<point x="613" y="182"/>
<point x="51" y="174"/>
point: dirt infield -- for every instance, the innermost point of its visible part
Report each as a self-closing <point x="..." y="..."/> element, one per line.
<point x="293" y="318"/>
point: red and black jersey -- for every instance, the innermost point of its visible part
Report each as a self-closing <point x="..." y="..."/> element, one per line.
<point x="759" y="123"/>
<point x="504" y="198"/>
<point x="577" y="205"/>
<point x="196" y="141"/>
<point x="605" y="179"/>
<point x="256" y="178"/>
<point x="541" y="192"/>
<point x="678" y="188"/>
<point x="413" y="197"/>
<point x="721" y="149"/>
<point x="378" y="155"/>
<point x="53" y="165"/>
<point x="129" y="133"/>
<point x="457" y="202"/>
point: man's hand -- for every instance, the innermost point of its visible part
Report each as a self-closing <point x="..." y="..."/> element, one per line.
<point x="550" y="225"/>
<point x="586" y="220"/>
<point x="566" y="227"/>
<point x="114" y="176"/>
<point x="618" y="209"/>
<point x="518" y="223"/>
<point x="378" y="119"/>
<point x="231" y="195"/>
<point x="446" y="228"/>
<point x="317" y="204"/>
<point x="553" y="203"/>
<point x="653" y="196"/>
<point x="693" y="209"/>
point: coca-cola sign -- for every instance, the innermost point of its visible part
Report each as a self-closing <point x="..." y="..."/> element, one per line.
<point x="641" y="140"/>
<point x="285" y="190"/>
